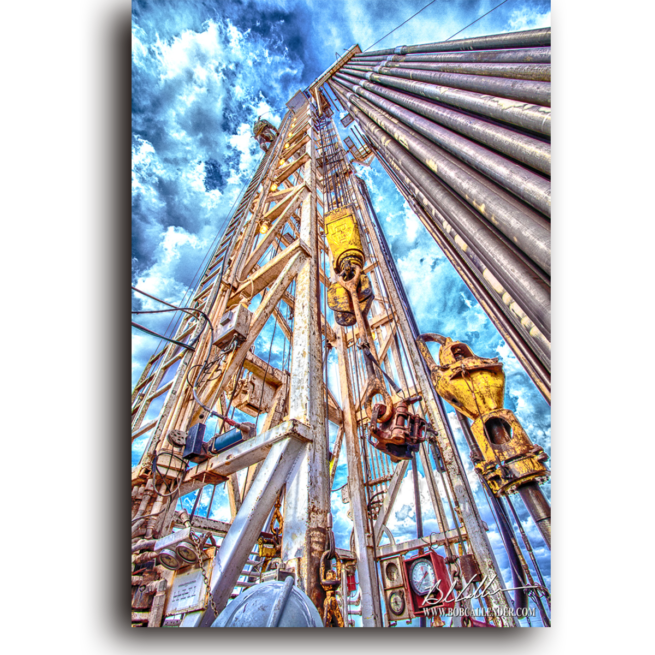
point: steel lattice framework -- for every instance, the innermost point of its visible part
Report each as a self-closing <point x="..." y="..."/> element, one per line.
<point x="275" y="263"/>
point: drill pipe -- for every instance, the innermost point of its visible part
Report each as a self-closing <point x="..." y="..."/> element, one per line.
<point x="530" y="151"/>
<point x="522" y="283"/>
<point x="537" y="72"/>
<point x="525" y="39"/>
<point x="529" y="231"/>
<point x="537" y="93"/>
<point x="532" y="188"/>
<point x="507" y="323"/>
<point x="480" y="278"/>
<point x="511" y="56"/>
<point x="507" y="309"/>
<point x="538" y="506"/>
<point x="514" y="112"/>
<point x="507" y="535"/>
<point x="506" y="266"/>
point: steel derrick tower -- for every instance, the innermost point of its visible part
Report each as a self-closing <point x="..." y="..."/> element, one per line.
<point x="304" y="251"/>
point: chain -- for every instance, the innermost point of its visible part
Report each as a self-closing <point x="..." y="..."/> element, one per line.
<point x="330" y="580"/>
<point x="196" y="543"/>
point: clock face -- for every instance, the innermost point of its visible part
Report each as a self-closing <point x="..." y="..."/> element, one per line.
<point x="392" y="572"/>
<point x="397" y="602"/>
<point x="421" y="576"/>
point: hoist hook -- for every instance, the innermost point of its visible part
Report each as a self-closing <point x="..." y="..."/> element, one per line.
<point x="374" y="387"/>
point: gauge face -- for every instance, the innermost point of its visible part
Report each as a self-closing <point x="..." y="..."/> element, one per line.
<point x="168" y="559"/>
<point x="392" y="572"/>
<point x="421" y="576"/>
<point x="186" y="552"/>
<point x="397" y="602"/>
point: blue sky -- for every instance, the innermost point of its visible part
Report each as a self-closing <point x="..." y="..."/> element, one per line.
<point x="202" y="72"/>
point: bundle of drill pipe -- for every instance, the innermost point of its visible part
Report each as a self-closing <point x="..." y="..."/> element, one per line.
<point x="463" y="129"/>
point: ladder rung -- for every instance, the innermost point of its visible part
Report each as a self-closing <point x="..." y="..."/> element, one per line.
<point x="146" y="381"/>
<point x="161" y="390"/>
<point x="143" y="429"/>
<point x="203" y="293"/>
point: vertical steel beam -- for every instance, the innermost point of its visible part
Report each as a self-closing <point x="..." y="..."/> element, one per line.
<point x="364" y="542"/>
<point x="307" y="499"/>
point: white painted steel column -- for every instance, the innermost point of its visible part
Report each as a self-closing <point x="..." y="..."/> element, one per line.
<point x="307" y="498"/>
<point x="233" y="553"/>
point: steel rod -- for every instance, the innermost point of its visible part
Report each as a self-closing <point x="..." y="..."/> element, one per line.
<point x="524" y="39"/>
<point x="539" y="508"/>
<point x="528" y="150"/>
<point x="535" y="72"/>
<point x="528" y="116"/>
<point x="509" y="175"/>
<point x="475" y="272"/>
<point x="532" y="91"/>
<point x="513" y="274"/>
<point x="512" y="55"/>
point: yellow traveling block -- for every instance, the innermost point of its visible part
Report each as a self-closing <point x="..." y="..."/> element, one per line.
<point x="475" y="386"/>
<point x="343" y="237"/>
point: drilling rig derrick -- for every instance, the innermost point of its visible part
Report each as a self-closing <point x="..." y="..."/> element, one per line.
<point x="304" y="254"/>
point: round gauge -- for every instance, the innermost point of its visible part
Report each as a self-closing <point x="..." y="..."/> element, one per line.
<point x="421" y="576"/>
<point x="397" y="602"/>
<point x="186" y="551"/>
<point x="168" y="559"/>
<point x="392" y="572"/>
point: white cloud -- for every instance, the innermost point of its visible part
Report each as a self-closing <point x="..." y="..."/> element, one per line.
<point x="525" y="18"/>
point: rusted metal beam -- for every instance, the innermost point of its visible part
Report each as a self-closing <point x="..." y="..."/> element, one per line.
<point x="307" y="498"/>
<point x="364" y="541"/>
<point x="267" y="274"/>
<point x="248" y="452"/>
<point x="342" y="61"/>
<point x="440" y="539"/>
<point x="246" y="527"/>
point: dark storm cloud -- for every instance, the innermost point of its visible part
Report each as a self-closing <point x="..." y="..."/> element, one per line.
<point x="213" y="176"/>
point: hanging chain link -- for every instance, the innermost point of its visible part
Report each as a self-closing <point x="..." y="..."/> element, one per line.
<point x="196" y="543"/>
<point x="330" y="581"/>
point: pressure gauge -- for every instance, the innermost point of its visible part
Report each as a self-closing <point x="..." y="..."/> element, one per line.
<point x="397" y="602"/>
<point x="392" y="571"/>
<point x="421" y="576"/>
<point x="186" y="551"/>
<point x="168" y="559"/>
